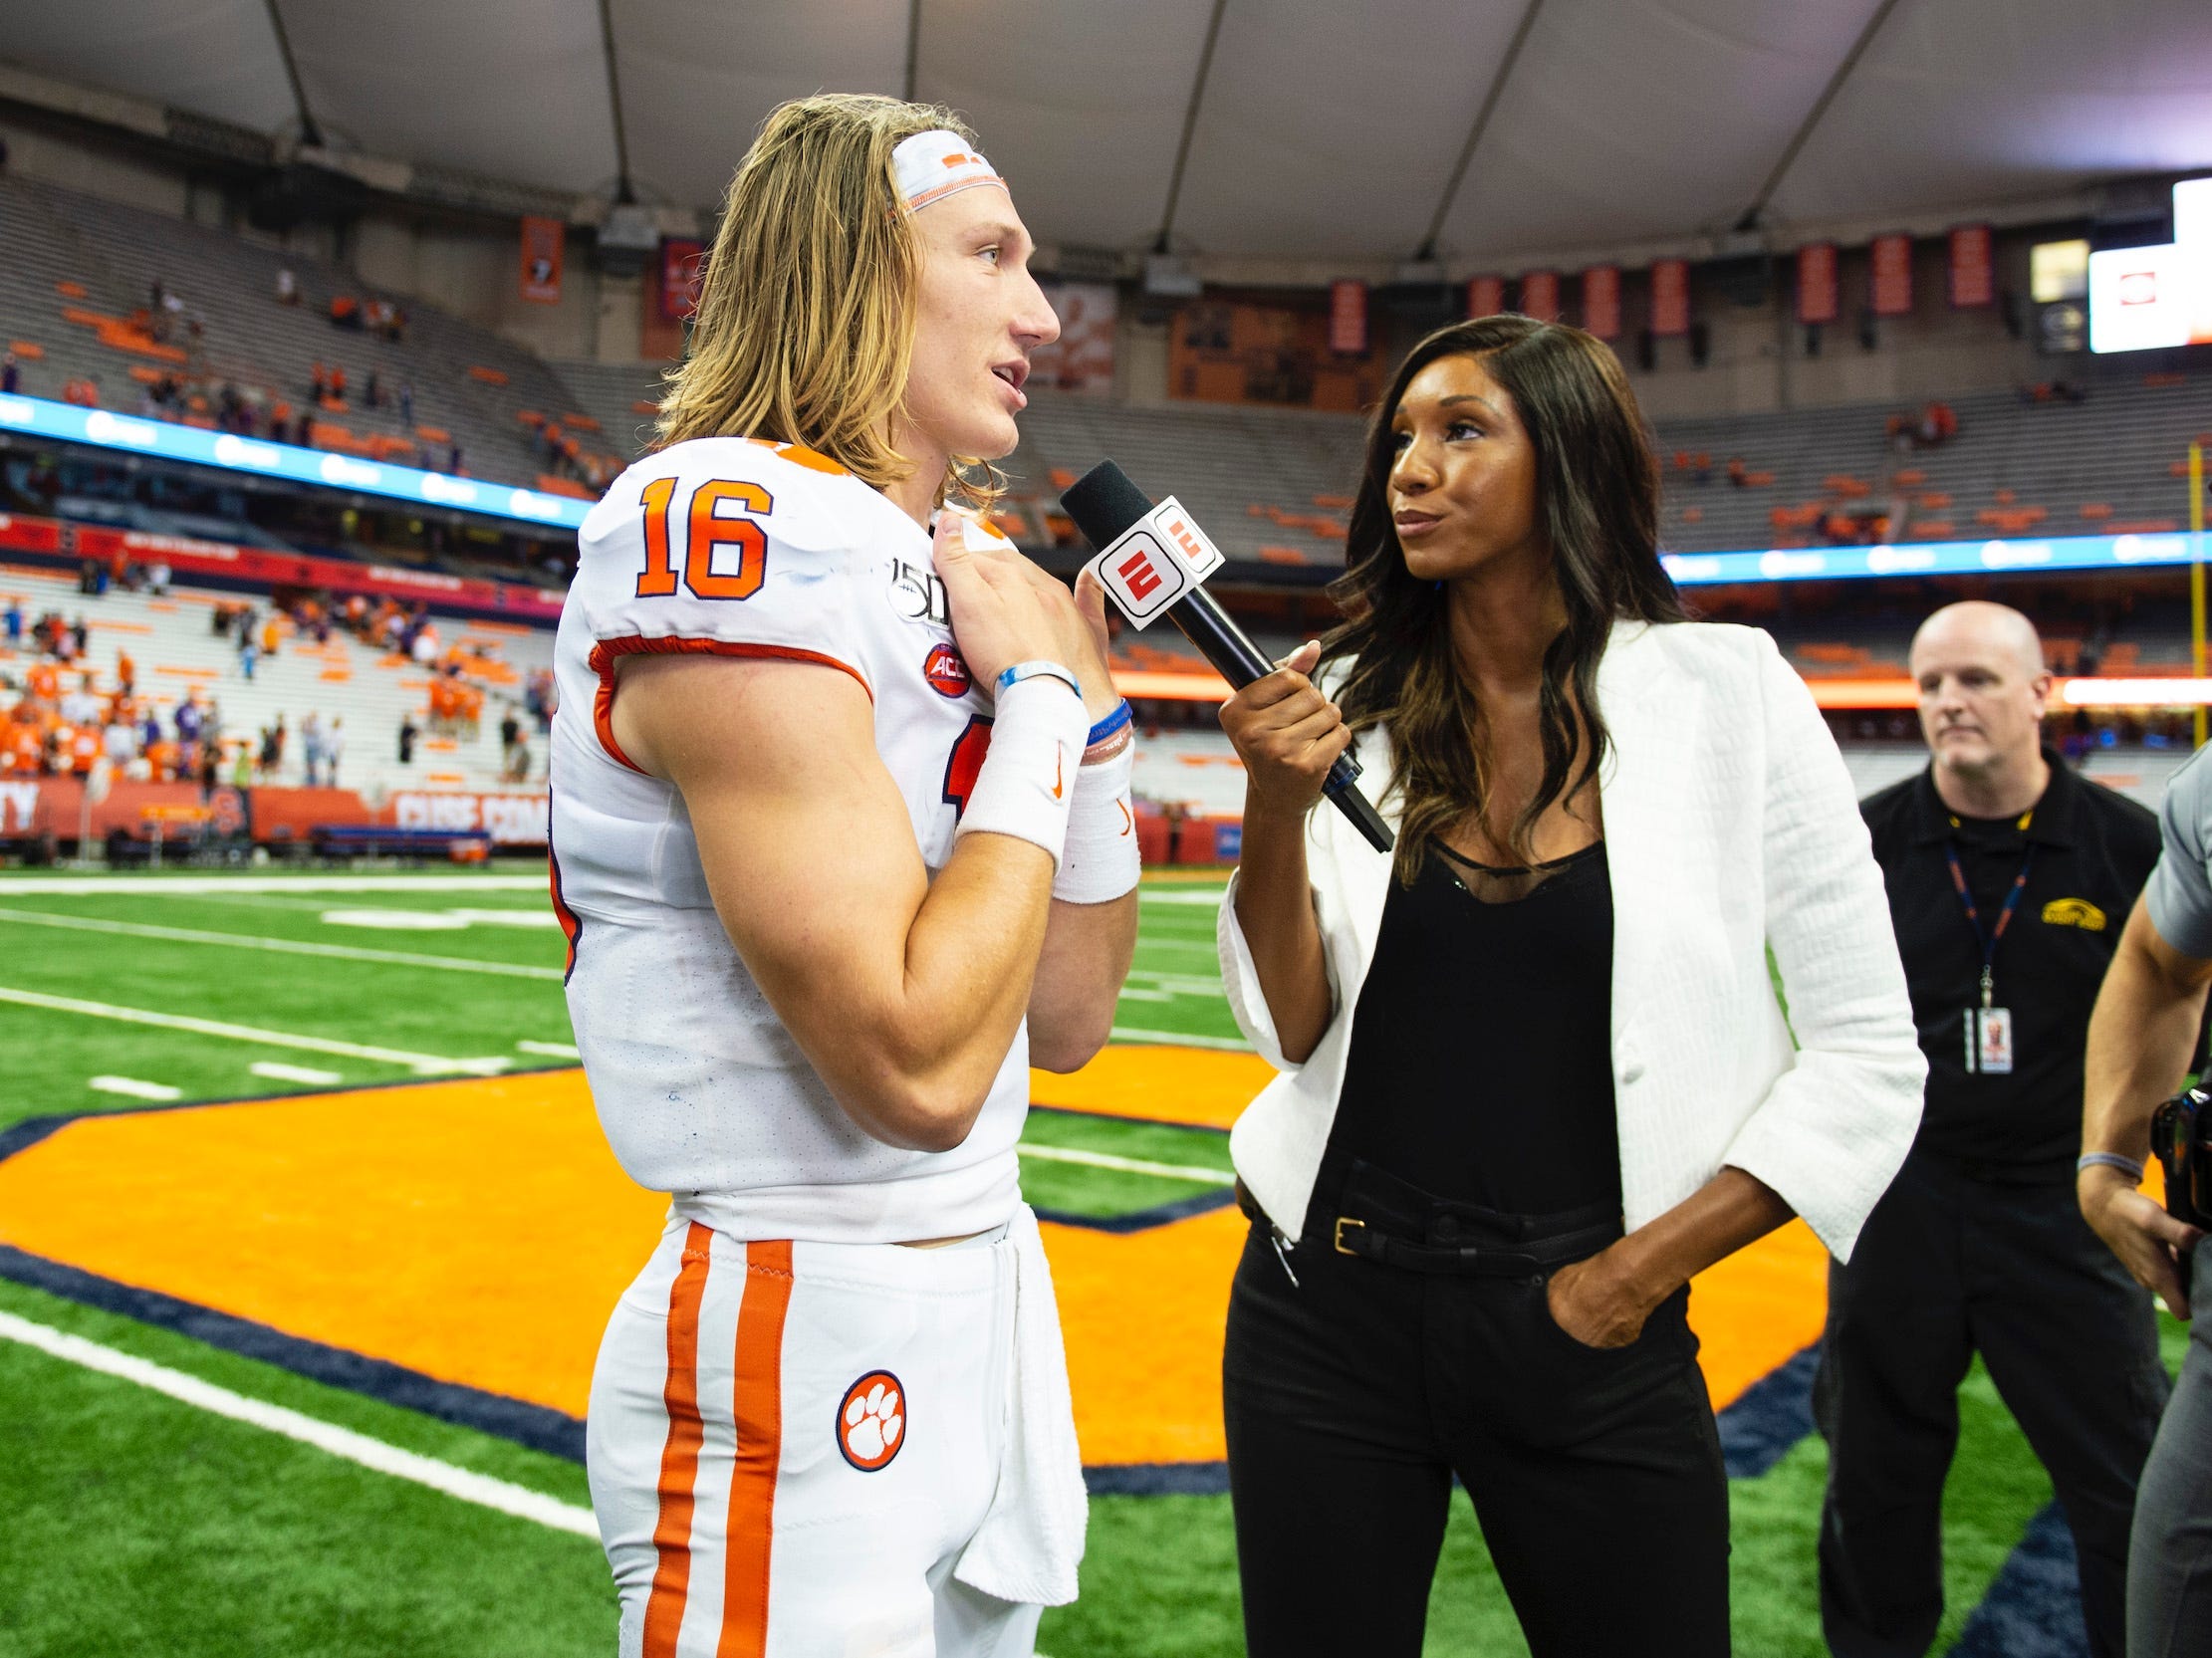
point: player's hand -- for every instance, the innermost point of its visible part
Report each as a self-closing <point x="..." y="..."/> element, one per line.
<point x="1099" y="696"/>
<point x="2146" y="1238"/>
<point x="1004" y="608"/>
<point x="1286" y="734"/>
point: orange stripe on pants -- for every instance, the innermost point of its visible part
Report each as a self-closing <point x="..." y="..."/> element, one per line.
<point x="679" y="1455"/>
<point x="760" y="1443"/>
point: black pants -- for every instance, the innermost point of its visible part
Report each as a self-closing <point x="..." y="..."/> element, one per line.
<point x="1948" y="1264"/>
<point x="1354" y="1398"/>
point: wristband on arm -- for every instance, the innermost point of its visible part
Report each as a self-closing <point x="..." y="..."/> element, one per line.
<point x="1026" y="781"/>
<point x="1100" y="863"/>
<point x="2110" y="1160"/>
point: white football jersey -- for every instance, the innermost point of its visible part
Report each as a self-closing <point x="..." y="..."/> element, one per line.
<point x="744" y="547"/>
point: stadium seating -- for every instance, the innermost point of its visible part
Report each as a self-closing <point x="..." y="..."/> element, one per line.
<point x="116" y="254"/>
<point x="174" y="648"/>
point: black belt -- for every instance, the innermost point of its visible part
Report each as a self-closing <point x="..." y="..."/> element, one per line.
<point x="1396" y="1224"/>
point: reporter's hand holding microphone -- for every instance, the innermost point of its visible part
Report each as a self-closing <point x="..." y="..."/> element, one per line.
<point x="1288" y="734"/>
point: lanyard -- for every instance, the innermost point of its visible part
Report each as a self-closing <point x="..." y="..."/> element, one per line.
<point x="1988" y="940"/>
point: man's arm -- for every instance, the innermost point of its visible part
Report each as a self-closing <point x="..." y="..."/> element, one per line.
<point x="1086" y="955"/>
<point x="902" y="993"/>
<point x="2140" y="1038"/>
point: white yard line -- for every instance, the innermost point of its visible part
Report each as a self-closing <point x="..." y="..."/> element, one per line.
<point x="1228" y="1044"/>
<point x="1203" y="897"/>
<point x="1127" y="1165"/>
<point x="278" y="1072"/>
<point x="424" y="1063"/>
<point x="1179" y="984"/>
<point x="551" y="1050"/>
<point x="280" y="946"/>
<point x="130" y="1087"/>
<point x="480" y="1489"/>
<point x="158" y="886"/>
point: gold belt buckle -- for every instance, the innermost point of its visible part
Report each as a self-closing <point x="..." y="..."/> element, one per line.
<point x="1343" y="1221"/>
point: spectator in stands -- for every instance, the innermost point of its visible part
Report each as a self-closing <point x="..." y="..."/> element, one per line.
<point x="1939" y="423"/>
<point x="338" y="382"/>
<point x="11" y="623"/>
<point x="334" y="750"/>
<point x="287" y="285"/>
<point x="311" y="747"/>
<point x="189" y="719"/>
<point x="317" y="381"/>
<point x="80" y="633"/>
<point x="373" y="394"/>
<point x="408" y="732"/>
<point x="242" y="766"/>
<point x="157" y="577"/>
<point x="510" y="735"/>
<point x="453" y="462"/>
<point x="518" y="761"/>
<point x="1535" y="1077"/>
<point x="406" y="401"/>
<point x="249" y="652"/>
<point x="120" y="742"/>
<point x="344" y="311"/>
<point x="11" y="374"/>
<point x="272" y="749"/>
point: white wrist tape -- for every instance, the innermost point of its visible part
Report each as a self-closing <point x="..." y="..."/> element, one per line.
<point x="1100" y="863"/>
<point x="1026" y="781"/>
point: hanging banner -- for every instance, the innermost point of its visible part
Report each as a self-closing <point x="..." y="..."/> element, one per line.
<point x="1486" y="296"/>
<point x="1817" y="301"/>
<point x="1082" y="358"/>
<point x="1601" y="301"/>
<point x="1347" y="319"/>
<point x="1670" y="298"/>
<point x="541" y="260"/>
<point x="1973" y="268"/>
<point x="1540" y="296"/>
<point x="681" y="260"/>
<point x="1891" y="285"/>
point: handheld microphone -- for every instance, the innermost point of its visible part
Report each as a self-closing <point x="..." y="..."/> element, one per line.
<point x="1155" y="562"/>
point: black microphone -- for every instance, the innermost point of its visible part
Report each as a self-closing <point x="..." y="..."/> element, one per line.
<point x="1105" y="505"/>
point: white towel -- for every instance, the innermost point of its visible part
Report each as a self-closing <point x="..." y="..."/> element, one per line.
<point x="1031" y="1539"/>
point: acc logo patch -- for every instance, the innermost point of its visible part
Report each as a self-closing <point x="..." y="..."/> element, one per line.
<point x="2075" y="912"/>
<point x="872" y="1421"/>
<point x="946" y="672"/>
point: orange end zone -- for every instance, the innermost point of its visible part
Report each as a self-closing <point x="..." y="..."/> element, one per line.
<point x="480" y="1231"/>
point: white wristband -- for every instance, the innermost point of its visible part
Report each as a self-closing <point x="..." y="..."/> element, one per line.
<point x="1100" y="863"/>
<point x="1026" y="781"/>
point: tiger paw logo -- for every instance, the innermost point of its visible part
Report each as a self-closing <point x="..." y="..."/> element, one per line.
<point x="872" y="1421"/>
<point x="2075" y="912"/>
<point x="947" y="675"/>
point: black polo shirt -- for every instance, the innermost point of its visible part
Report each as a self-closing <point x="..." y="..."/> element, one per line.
<point x="2092" y="852"/>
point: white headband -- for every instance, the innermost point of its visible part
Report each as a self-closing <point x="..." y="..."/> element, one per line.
<point x="932" y="165"/>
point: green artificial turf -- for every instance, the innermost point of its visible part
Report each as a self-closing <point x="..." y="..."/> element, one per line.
<point x="134" y="1524"/>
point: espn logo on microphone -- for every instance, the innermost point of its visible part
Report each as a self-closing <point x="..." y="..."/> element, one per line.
<point x="1155" y="562"/>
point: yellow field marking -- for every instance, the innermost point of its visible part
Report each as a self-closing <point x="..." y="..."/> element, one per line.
<point x="1165" y="1083"/>
<point x="249" y="1033"/>
<point x="480" y="1489"/>
<point x="280" y="946"/>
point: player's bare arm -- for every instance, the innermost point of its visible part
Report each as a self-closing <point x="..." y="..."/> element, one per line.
<point x="1088" y="947"/>
<point x="904" y="994"/>
<point x="2140" y="1036"/>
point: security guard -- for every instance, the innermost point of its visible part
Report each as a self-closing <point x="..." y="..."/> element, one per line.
<point x="2009" y="881"/>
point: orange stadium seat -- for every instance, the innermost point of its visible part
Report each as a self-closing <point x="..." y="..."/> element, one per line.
<point x="1283" y="556"/>
<point x="490" y="376"/>
<point x="2096" y="510"/>
<point x="549" y="484"/>
<point x="30" y="350"/>
<point x="433" y="434"/>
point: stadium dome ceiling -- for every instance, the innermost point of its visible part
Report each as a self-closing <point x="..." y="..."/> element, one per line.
<point x="1295" y="129"/>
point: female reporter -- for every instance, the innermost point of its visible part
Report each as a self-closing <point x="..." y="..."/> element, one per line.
<point x="1534" y="1075"/>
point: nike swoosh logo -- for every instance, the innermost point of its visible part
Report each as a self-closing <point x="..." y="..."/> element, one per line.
<point x="1060" y="762"/>
<point x="1127" y="822"/>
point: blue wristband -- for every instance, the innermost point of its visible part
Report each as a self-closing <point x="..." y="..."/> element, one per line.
<point x="1110" y="724"/>
<point x="2110" y="1160"/>
<point x="1040" y="669"/>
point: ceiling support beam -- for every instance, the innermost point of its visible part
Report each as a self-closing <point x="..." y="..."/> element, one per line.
<point x="913" y="45"/>
<point x="1190" y="126"/>
<point x="1427" y="248"/>
<point x="622" y="191"/>
<point x="310" y="133"/>
<point x="1749" y="218"/>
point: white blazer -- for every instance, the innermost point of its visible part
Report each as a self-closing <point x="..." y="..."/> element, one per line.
<point x="1731" y="831"/>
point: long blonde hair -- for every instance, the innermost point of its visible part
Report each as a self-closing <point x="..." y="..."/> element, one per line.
<point x="805" y="327"/>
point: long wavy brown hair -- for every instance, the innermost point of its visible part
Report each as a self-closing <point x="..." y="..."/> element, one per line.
<point x="1597" y="510"/>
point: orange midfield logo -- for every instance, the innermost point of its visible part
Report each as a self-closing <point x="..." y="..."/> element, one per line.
<point x="946" y="672"/>
<point x="872" y="1421"/>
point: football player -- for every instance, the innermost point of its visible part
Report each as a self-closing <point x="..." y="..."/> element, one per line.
<point x="842" y="847"/>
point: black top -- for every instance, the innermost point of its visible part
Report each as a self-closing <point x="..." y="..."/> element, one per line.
<point x="1481" y="1063"/>
<point x="2092" y="852"/>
